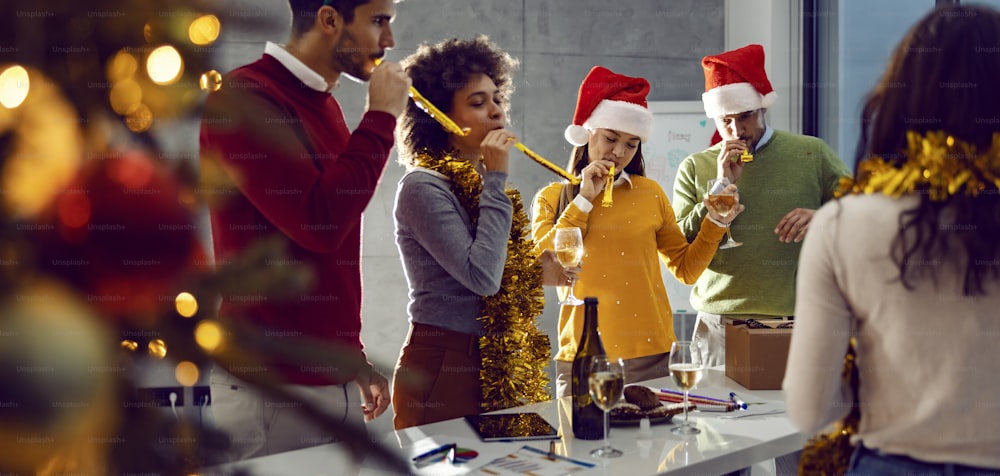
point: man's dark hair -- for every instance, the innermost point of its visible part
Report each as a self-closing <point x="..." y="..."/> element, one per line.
<point x="304" y="12"/>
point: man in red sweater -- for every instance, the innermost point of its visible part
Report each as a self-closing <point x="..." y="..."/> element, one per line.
<point x="301" y="175"/>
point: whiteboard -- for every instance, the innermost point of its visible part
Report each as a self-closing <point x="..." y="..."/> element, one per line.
<point x="680" y="128"/>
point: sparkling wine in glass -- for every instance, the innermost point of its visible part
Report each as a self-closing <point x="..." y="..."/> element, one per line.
<point x="569" y="252"/>
<point x="687" y="367"/>
<point x="606" y="384"/>
<point x="723" y="202"/>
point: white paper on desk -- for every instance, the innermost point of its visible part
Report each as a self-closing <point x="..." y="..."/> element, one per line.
<point x="755" y="405"/>
<point x="533" y="461"/>
<point x="487" y="452"/>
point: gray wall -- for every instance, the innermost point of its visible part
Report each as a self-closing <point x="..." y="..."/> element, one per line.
<point x="654" y="39"/>
<point x="557" y="41"/>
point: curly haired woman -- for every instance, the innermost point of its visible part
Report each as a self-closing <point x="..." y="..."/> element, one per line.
<point x="474" y="279"/>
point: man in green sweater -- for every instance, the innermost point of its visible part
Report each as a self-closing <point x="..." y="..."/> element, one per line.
<point x="782" y="179"/>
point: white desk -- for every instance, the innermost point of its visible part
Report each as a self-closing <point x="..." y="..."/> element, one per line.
<point x="724" y="444"/>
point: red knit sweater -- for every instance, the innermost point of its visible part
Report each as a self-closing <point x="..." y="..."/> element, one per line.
<point x="302" y="176"/>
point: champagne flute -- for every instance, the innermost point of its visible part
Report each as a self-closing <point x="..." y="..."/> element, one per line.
<point x="606" y="383"/>
<point x="569" y="252"/>
<point x="723" y="202"/>
<point x="687" y="367"/>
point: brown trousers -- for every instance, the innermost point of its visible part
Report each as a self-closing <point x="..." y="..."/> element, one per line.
<point x="436" y="377"/>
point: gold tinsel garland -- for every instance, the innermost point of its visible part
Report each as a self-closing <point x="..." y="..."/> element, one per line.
<point x="515" y="353"/>
<point x="936" y="164"/>
<point x="829" y="454"/>
<point x="519" y="424"/>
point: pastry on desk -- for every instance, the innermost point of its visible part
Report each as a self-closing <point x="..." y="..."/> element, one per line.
<point x="640" y="402"/>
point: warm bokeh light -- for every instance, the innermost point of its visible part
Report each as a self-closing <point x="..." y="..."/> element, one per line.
<point x="210" y="81"/>
<point x="130" y="345"/>
<point x="139" y="118"/>
<point x="123" y="65"/>
<point x="186" y="304"/>
<point x="42" y="148"/>
<point x="204" y="30"/>
<point x="208" y="335"/>
<point x="14" y="86"/>
<point x="125" y="95"/>
<point x="186" y="373"/>
<point x="164" y="65"/>
<point x="158" y="348"/>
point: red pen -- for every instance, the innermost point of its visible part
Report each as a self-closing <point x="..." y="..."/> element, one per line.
<point x="694" y="397"/>
<point x="699" y="401"/>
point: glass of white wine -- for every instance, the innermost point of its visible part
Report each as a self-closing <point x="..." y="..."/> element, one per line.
<point x="723" y="202"/>
<point x="569" y="252"/>
<point x="687" y="367"/>
<point x="606" y="383"/>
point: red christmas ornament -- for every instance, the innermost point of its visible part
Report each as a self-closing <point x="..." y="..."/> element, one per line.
<point x="121" y="234"/>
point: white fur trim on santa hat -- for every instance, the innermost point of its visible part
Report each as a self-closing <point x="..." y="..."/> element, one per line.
<point x="576" y="135"/>
<point x="735" y="98"/>
<point x="621" y="116"/>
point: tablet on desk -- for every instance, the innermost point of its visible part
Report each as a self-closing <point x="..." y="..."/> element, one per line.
<point x="512" y="427"/>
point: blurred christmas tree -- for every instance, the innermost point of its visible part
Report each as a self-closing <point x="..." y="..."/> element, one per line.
<point x="98" y="245"/>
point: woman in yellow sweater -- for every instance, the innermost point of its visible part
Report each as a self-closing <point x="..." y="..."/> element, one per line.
<point x="621" y="243"/>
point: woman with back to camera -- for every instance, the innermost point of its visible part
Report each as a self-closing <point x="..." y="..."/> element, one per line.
<point x="622" y="243"/>
<point x="908" y="263"/>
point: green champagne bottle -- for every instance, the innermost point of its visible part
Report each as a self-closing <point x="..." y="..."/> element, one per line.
<point x="588" y="420"/>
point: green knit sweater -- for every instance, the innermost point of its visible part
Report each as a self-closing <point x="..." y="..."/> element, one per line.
<point x="790" y="171"/>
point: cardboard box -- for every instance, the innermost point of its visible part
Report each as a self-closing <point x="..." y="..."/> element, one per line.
<point x="756" y="358"/>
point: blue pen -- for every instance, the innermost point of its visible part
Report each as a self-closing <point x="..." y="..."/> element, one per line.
<point x="737" y="400"/>
<point x="435" y="451"/>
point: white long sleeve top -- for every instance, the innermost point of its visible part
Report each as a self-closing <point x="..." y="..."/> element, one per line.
<point x="928" y="359"/>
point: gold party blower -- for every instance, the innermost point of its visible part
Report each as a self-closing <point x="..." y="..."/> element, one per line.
<point x="452" y="127"/>
<point x="607" y="201"/>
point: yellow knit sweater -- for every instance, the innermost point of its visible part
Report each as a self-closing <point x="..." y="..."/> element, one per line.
<point x="620" y="265"/>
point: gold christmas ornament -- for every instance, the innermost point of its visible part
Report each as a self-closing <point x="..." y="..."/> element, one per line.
<point x="210" y="81"/>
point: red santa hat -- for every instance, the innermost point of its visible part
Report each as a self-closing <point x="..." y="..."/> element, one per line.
<point x="608" y="100"/>
<point x="735" y="82"/>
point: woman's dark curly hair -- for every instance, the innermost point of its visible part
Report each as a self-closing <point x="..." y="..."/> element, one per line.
<point x="941" y="77"/>
<point x="437" y="72"/>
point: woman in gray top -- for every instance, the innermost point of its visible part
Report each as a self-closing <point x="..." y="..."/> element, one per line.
<point x="473" y="281"/>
